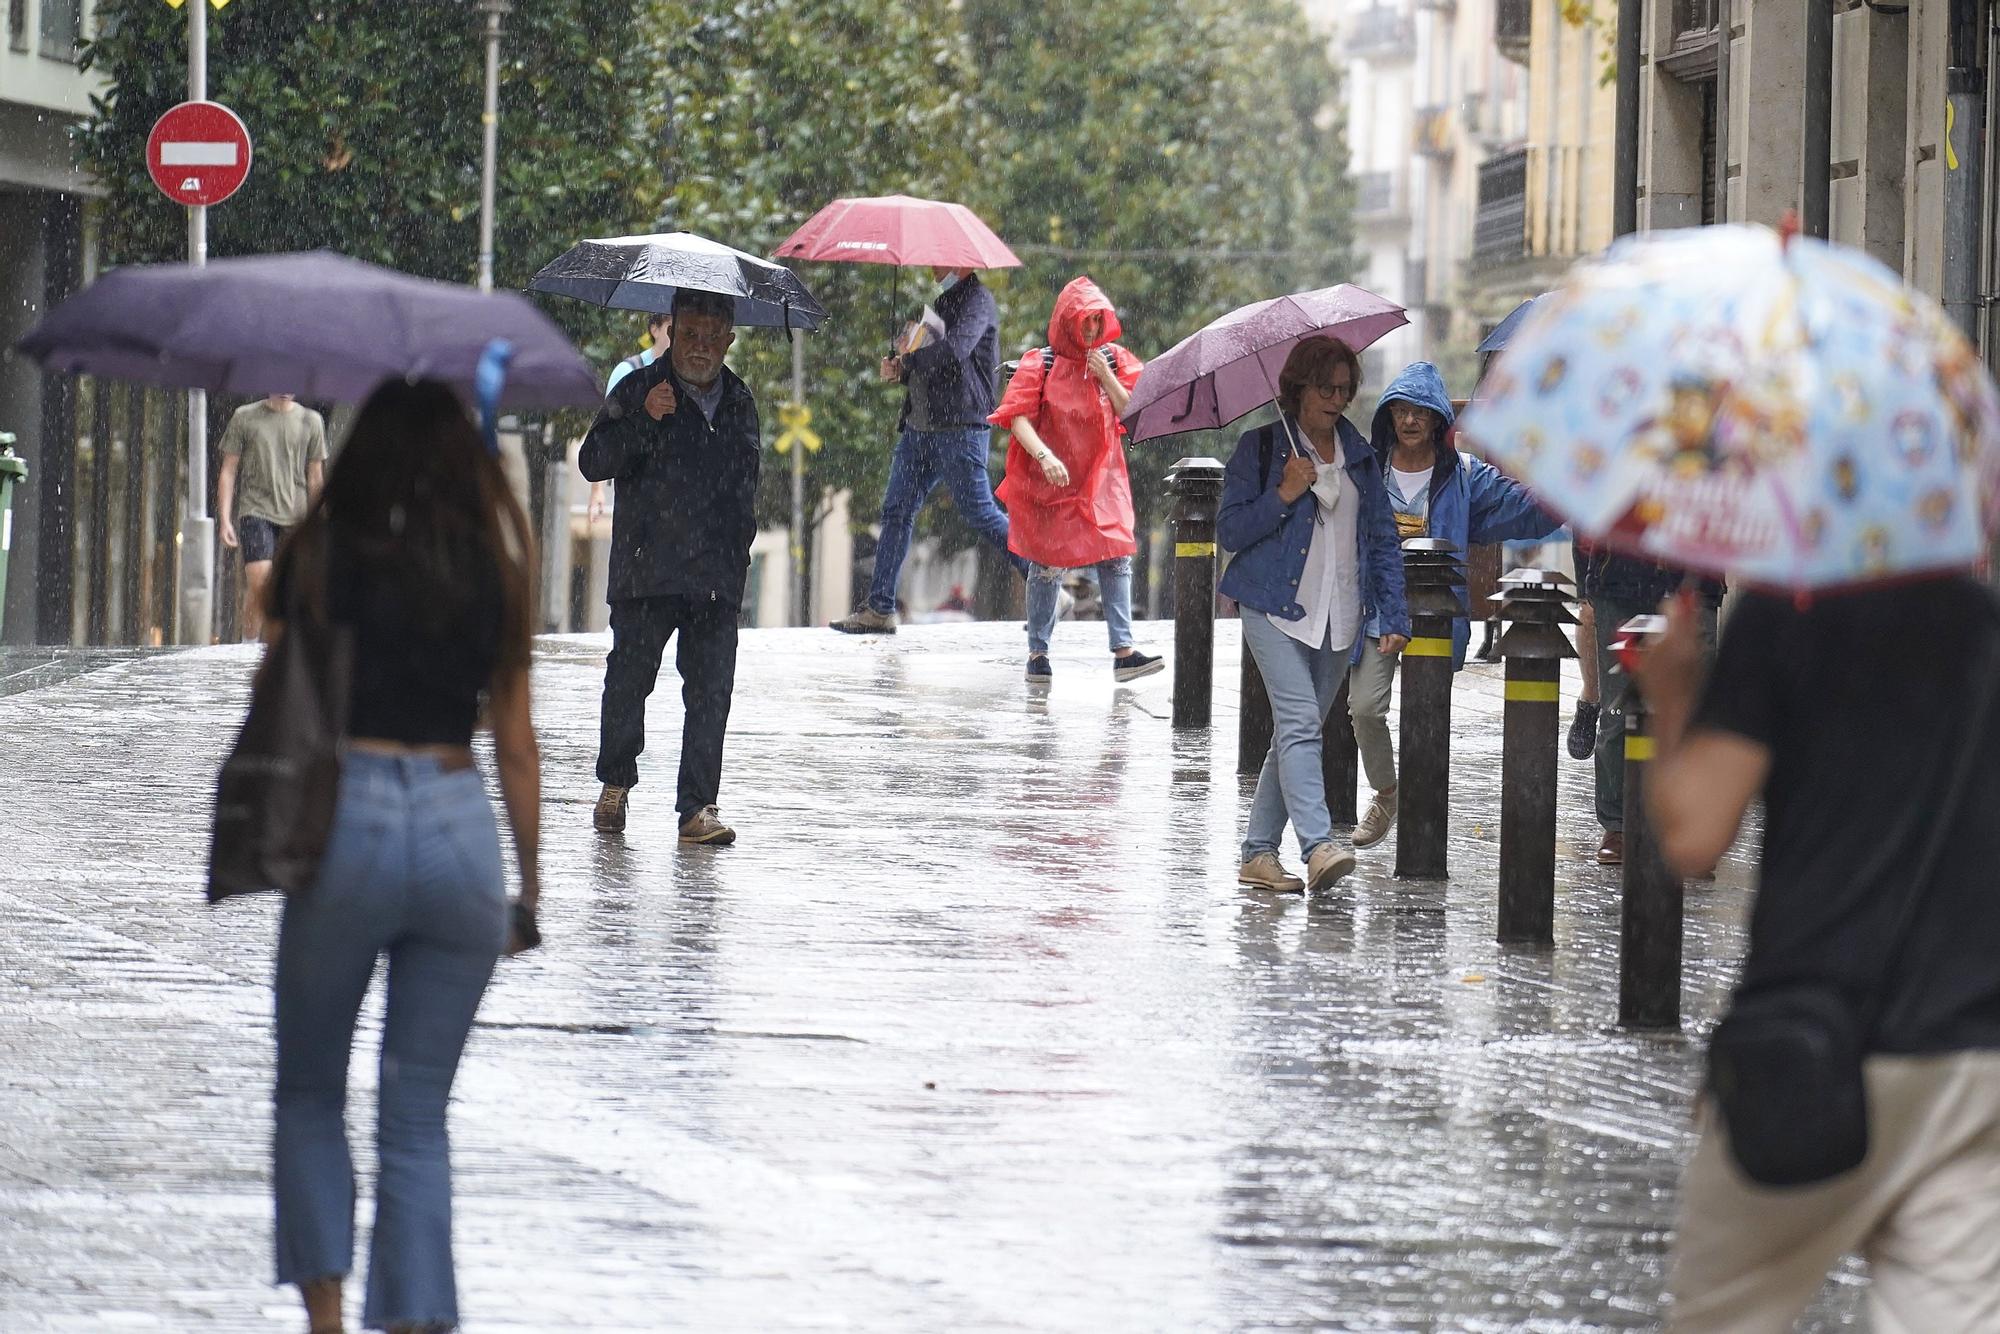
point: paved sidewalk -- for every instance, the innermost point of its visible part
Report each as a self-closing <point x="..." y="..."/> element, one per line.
<point x="972" y="1030"/>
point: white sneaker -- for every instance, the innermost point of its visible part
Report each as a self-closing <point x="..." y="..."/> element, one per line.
<point x="1379" y="820"/>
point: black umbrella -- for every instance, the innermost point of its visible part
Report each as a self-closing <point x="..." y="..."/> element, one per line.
<point x="644" y="272"/>
<point x="318" y="325"/>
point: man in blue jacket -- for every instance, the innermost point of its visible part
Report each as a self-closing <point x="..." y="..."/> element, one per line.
<point x="951" y="384"/>
<point x="682" y="440"/>
<point x="1435" y="492"/>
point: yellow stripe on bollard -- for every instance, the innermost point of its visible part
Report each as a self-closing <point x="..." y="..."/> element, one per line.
<point x="1638" y="747"/>
<point x="1534" y="692"/>
<point x="1428" y="648"/>
<point x="1194" y="548"/>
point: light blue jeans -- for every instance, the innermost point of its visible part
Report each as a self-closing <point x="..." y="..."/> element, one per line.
<point x="412" y="871"/>
<point x="1114" y="587"/>
<point x="1302" y="683"/>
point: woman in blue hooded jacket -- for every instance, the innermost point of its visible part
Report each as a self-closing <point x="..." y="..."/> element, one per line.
<point x="1304" y="511"/>
<point x="1433" y="491"/>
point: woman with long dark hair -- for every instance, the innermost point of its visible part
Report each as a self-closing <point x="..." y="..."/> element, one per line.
<point x="418" y="548"/>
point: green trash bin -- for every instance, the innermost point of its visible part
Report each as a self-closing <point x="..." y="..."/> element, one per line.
<point x="13" y="472"/>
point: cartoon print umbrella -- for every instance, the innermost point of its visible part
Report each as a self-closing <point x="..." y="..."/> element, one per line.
<point x="1742" y="402"/>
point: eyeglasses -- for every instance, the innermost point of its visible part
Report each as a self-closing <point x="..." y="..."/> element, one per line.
<point x="706" y="339"/>
<point x="1338" y="389"/>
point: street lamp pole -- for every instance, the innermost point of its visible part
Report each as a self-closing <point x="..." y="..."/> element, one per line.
<point x="197" y="529"/>
<point x="490" y="122"/>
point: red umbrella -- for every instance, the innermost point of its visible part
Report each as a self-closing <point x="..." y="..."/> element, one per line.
<point x="897" y="229"/>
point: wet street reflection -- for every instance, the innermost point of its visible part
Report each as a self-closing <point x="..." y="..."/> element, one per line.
<point x="972" y="1029"/>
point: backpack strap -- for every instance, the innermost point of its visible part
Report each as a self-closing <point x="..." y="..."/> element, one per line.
<point x="1267" y="435"/>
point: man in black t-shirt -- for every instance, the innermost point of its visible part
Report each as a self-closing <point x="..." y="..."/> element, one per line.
<point x="1850" y="717"/>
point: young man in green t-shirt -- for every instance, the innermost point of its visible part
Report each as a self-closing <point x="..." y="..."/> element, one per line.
<point x="278" y="451"/>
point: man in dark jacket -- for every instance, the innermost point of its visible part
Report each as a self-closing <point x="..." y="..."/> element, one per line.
<point x="681" y="439"/>
<point x="1617" y="589"/>
<point x="951" y="384"/>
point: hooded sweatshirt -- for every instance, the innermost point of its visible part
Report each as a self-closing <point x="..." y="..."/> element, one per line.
<point x="1090" y="519"/>
<point x="1470" y="500"/>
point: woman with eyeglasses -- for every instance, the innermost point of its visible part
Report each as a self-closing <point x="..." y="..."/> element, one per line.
<point x="1434" y="491"/>
<point x="1306" y="514"/>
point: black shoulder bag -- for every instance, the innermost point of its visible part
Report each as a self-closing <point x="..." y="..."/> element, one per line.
<point x="1785" y="1065"/>
<point x="275" y="798"/>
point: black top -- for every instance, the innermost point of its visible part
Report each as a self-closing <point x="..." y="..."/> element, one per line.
<point x="687" y="488"/>
<point x="421" y="662"/>
<point x="1863" y="700"/>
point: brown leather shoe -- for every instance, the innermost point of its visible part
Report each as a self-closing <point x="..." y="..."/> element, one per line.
<point x="609" y="814"/>
<point x="1611" y="852"/>
<point x="705" y="826"/>
<point x="1265" y="871"/>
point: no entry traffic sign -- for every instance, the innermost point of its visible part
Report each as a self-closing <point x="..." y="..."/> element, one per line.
<point x="198" y="153"/>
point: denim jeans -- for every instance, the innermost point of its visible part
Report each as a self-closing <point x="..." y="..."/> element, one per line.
<point x="1302" y="683"/>
<point x="1114" y="585"/>
<point x="922" y="460"/>
<point x="412" y="871"/>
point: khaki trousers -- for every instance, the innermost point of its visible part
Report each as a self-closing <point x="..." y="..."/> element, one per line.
<point x="1923" y="1210"/>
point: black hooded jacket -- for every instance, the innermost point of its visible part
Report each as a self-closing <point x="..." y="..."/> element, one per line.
<point x="687" y="488"/>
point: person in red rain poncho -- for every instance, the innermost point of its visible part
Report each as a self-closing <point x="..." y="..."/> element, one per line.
<point x="1068" y="496"/>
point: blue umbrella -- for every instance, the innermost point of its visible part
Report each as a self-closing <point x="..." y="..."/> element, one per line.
<point x="644" y="272"/>
<point x="318" y="325"/>
<point x="1503" y="332"/>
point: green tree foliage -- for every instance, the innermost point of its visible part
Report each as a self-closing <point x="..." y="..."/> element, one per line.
<point x="365" y="121"/>
<point x="766" y="110"/>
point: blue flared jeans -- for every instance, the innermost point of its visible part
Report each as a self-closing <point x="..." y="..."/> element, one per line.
<point x="412" y="874"/>
<point x="1302" y="682"/>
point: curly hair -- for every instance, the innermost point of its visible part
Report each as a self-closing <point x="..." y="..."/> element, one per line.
<point x="1312" y="362"/>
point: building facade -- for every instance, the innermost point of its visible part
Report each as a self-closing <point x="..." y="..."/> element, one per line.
<point x="42" y="259"/>
<point x="1729" y="103"/>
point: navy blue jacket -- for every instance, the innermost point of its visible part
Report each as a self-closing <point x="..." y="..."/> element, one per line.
<point x="1471" y="500"/>
<point x="687" y="488"/>
<point x="1270" y="538"/>
<point x="961" y="370"/>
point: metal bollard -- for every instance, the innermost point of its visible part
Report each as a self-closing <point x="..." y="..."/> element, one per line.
<point x="1197" y="490"/>
<point x="1340" y="759"/>
<point x="1536" y="604"/>
<point x="1432" y="576"/>
<point x="1254" y="728"/>
<point x="1649" y="934"/>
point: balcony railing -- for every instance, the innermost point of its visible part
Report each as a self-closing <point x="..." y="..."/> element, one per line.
<point x="1513" y="28"/>
<point x="1500" y="227"/>
<point x="1381" y="33"/>
<point x="1378" y="195"/>
<point x="1430" y="133"/>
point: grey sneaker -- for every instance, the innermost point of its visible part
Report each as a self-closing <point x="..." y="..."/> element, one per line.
<point x="1265" y="871"/>
<point x="609" y="816"/>
<point x="1379" y="820"/>
<point x="705" y="826"/>
<point x="865" y="620"/>
<point x="1329" y="865"/>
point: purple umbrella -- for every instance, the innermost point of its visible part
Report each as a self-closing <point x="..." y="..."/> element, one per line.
<point x="318" y="325"/>
<point x="1230" y="367"/>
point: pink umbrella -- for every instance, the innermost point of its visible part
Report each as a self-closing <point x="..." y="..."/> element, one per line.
<point x="1230" y="367"/>
<point x="898" y="229"/>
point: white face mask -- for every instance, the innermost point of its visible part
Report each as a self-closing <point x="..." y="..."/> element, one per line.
<point x="946" y="283"/>
<point x="1326" y="488"/>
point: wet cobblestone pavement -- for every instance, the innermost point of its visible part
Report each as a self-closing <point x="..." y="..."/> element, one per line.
<point x="972" y="1030"/>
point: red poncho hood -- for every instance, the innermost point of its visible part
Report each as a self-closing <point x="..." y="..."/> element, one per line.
<point x="1090" y="519"/>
